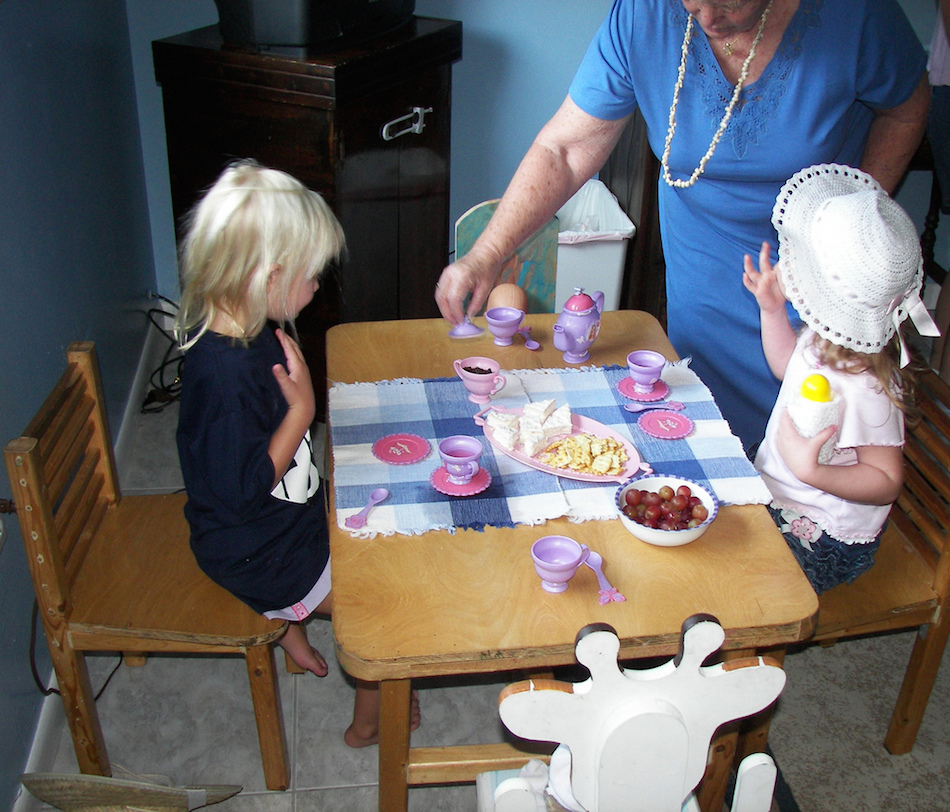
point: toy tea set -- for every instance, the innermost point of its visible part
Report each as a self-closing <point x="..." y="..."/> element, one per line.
<point x="556" y="558"/>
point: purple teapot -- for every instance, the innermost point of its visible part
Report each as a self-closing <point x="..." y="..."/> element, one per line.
<point x="578" y="325"/>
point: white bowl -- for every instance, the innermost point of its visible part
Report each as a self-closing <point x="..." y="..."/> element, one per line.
<point x="666" y="538"/>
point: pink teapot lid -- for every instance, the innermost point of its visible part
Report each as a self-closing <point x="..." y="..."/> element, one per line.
<point x="579" y="302"/>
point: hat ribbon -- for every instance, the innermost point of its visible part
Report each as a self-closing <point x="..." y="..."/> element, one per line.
<point x="920" y="316"/>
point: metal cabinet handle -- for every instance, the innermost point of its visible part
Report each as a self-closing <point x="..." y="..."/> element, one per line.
<point x="413" y="122"/>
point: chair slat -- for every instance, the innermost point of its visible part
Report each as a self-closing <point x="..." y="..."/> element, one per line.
<point x="44" y="421"/>
<point x="84" y="541"/>
<point x="68" y="452"/>
<point x="62" y="426"/>
<point x="72" y="516"/>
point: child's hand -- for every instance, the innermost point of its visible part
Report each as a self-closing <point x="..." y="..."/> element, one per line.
<point x="763" y="283"/>
<point x="800" y="453"/>
<point x="294" y="381"/>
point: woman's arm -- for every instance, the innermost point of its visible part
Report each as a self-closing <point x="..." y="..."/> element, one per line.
<point x="875" y="479"/>
<point x="894" y="137"/>
<point x="567" y="152"/>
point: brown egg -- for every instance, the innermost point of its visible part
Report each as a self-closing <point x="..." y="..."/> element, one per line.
<point x="507" y="294"/>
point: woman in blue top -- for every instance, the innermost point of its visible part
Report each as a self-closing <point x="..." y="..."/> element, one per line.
<point x="737" y="96"/>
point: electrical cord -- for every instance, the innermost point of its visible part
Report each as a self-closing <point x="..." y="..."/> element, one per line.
<point x="162" y="392"/>
<point x="46" y="691"/>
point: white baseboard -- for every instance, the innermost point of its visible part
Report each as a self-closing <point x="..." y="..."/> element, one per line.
<point x="45" y="750"/>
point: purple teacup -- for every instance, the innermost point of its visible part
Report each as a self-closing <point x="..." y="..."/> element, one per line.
<point x="645" y="367"/>
<point x="556" y="559"/>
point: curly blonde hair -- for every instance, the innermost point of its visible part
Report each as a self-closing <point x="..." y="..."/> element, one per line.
<point x="251" y="221"/>
<point x="899" y="383"/>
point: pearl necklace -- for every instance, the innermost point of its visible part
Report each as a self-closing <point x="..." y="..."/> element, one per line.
<point x="665" y="160"/>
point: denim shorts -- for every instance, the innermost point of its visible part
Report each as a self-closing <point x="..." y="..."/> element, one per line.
<point x="826" y="561"/>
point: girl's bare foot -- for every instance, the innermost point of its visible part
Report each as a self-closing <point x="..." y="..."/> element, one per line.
<point x="295" y="643"/>
<point x="363" y="735"/>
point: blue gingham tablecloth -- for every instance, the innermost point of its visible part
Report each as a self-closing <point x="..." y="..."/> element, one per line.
<point x="435" y="408"/>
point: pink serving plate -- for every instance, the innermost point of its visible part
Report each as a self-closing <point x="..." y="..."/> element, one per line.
<point x="581" y="425"/>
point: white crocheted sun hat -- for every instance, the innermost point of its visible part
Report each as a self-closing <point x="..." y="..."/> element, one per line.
<point x="849" y="256"/>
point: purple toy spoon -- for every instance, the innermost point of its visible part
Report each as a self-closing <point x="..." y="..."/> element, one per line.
<point x="359" y="519"/>
<point x="529" y="342"/>
<point x="607" y="593"/>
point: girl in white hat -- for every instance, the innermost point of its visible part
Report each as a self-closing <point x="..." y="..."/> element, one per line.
<point x="850" y="264"/>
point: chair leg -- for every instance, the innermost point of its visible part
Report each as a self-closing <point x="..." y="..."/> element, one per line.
<point x="918" y="683"/>
<point x="80" y="705"/>
<point x="262" y="672"/>
<point x="291" y="666"/>
<point x="134" y="659"/>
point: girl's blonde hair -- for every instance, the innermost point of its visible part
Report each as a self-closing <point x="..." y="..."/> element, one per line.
<point x="251" y="222"/>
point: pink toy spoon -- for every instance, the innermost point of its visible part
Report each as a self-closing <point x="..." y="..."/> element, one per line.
<point x="673" y="405"/>
<point x="607" y="593"/>
<point x="359" y="519"/>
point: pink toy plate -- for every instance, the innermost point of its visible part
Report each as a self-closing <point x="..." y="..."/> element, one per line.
<point x="581" y="425"/>
<point x="440" y="481"/>
<point x="665" y="424"/>
<point x="626" y="388"/>
<point x="401" y="449"/>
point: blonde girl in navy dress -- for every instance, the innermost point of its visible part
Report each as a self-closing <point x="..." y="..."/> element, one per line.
<point x="252" y="256"/>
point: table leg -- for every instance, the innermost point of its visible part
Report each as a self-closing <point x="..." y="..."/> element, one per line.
<point x="394" y="698"/>
<point x="754" y="732"/>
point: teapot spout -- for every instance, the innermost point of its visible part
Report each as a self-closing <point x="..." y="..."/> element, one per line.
<point x="598" y="298"/>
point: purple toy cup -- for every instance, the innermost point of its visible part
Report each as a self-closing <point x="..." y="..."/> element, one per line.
<point x="645" y="367"/>
<point x="460" y="454"/>
<point x="556" y="559"/>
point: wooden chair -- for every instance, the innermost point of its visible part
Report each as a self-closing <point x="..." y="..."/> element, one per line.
<point x="116" y="573"/>
<point x="634" y="739"/>
<point x="909" y="584"/>
<point x="533" y="267"/>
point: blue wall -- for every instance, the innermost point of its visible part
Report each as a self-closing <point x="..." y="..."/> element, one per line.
<point x="76" y="260"/>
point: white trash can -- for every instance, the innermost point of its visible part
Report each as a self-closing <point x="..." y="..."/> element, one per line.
<point x="593" y="233"/>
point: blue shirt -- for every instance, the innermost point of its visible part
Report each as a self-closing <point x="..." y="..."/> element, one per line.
<point x="839" y="61"/>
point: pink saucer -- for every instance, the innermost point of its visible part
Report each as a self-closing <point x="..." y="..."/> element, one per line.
<point x="401" y="449"/>
<point x="478" y="483"/>
<point x="665" y="425"/>
<point x="626" y="388"/>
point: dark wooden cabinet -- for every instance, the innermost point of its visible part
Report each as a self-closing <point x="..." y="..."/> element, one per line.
<point x="367" y="126"/>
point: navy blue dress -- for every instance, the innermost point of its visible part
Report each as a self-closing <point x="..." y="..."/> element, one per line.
<point x="266" y="546"/>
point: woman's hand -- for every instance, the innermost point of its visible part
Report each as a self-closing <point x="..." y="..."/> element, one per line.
<point x="457" y="281"/>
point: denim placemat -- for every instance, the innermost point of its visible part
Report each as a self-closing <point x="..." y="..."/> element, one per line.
<point x="435" y="408"/>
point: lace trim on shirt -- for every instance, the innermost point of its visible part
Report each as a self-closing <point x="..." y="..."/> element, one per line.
<point x="760" y="100"/>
